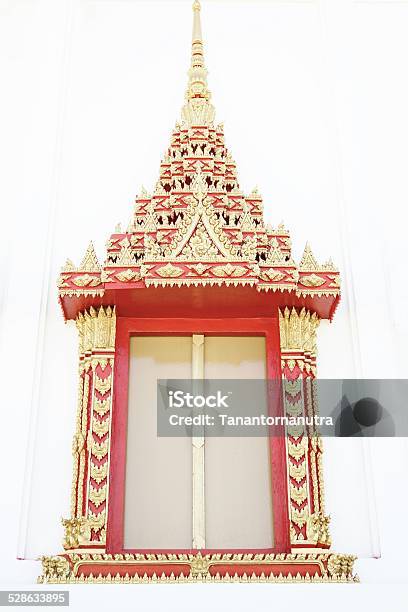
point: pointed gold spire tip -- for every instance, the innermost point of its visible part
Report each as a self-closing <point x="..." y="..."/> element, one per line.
<point x="197" y="110"/>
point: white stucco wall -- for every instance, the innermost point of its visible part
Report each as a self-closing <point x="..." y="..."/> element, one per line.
<point x="314" y="98"/>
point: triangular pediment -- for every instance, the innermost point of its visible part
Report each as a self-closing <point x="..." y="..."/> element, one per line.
<point x="201" y="237"/>
<point x="200" y="245"/>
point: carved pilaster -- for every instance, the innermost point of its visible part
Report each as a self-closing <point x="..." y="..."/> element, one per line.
<point x="308" y="523"/>
<point x="91" y="442"/>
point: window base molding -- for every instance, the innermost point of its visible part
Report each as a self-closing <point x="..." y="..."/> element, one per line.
<point x="187" y="567"/>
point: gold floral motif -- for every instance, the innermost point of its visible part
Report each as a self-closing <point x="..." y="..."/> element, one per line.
<point x="96" y="521"/>
<point x="169" y="271"/>
<point x="128" y="275"/>
<point x="99" y="472"/>
<point x="96" y="329"/>
<point x="298" y="494"/>
<point x="100" y="427"/>
<point x="340" y="566"/>
<point x="334" y="281"/>
<point x="101" y="406"/>
<point x="99" y="450"/>
<point x="199" y="269"/>
<point x="229" y="270"/>
<point x="97" y="496"/>
<point x="200" y="246"/>
<point x="272" y="275"/>
<point x="69" y="266"/>
<point x="153" y="250"/>
<point x="248" y="250"/>
<point x="125" y="257"/>
<point x="86" y="280"/>
<point x="318" y="529"/>
<point x="299" y="516"/>
<point x="298" y="330"/>
<point x="103" y="385"/>
<point x="312" y="280"/>
<point x="298" y="472"/>
<point x="200" y="565"/>
<point x="77" y="531"/>
<point x="62" y="282"/>
<point x="55" y="569"/>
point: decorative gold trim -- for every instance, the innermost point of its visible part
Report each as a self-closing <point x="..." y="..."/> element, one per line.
<point x="330" y="567"/>
<point x="298" y="331"/>
<point x="87" y="525"/>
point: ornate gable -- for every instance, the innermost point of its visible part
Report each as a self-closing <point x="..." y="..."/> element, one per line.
<point x="198" y="218"/>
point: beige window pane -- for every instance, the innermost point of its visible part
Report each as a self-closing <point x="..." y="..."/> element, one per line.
<point x="238" y="502"/>
<point x="158" y="498"/>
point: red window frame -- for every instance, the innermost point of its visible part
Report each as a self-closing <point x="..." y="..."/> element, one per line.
<point x="130" y="326"/>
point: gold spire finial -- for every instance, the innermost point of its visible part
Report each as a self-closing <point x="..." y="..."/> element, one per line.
<point x="197" y="85"/>
<point x="197" y="109"/>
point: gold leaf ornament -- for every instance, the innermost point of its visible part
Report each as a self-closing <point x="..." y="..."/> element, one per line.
<point x="229" y="270"/>
<point x="170" y="271"/>
<point x="86" y="280"/>
<point x="272" y="275"/>
<point x="312" y="280"/>
<point x="128" y="275"/>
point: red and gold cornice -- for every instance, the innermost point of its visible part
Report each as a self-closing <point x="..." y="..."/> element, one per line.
<point x="193" y="235"/>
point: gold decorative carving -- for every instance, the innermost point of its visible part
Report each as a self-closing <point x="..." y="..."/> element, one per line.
<point x="99" y="472"/>
<point x="272" y="275"/>
<point x="229" y="270"/>
<point x="101" y="427"/>
<point x="97" y="521"/>
<point x="312" y="280"/>
<point x="125" y="257"/>
<point x="102" y="385"/>
<point x="169" y="271"/>
<point x="86" y="280"/>
<point x="69" y="266"/>
<point x="153" y="250"/>
<point x="200" y="245"/>
<point x="298" y="330"/>
<point x="200" y="565"/>
<point x="99" y="450"/>
<point x="199" y="269"/>
<point x="329" y="567"/>
<point x="308" y="262"/>
<point x="77" y="531"/>
<point x="90" y="261"/>
<point x="248" y="250"/>
<point x="55" y="569"/>
<point x="101" y="406"/>
<point x="96" y="329"/>
<point x="275" y="255"/>
<point x="128" y="275"/>
<point x="87" y="525"/>
<point x="309" y="525"/>
<point x="97" y="496"/>
<point x="318" y="529"/>
<point x="340" y="566"/>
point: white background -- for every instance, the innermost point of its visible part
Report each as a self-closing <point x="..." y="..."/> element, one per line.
<point x="314" y="97"/>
